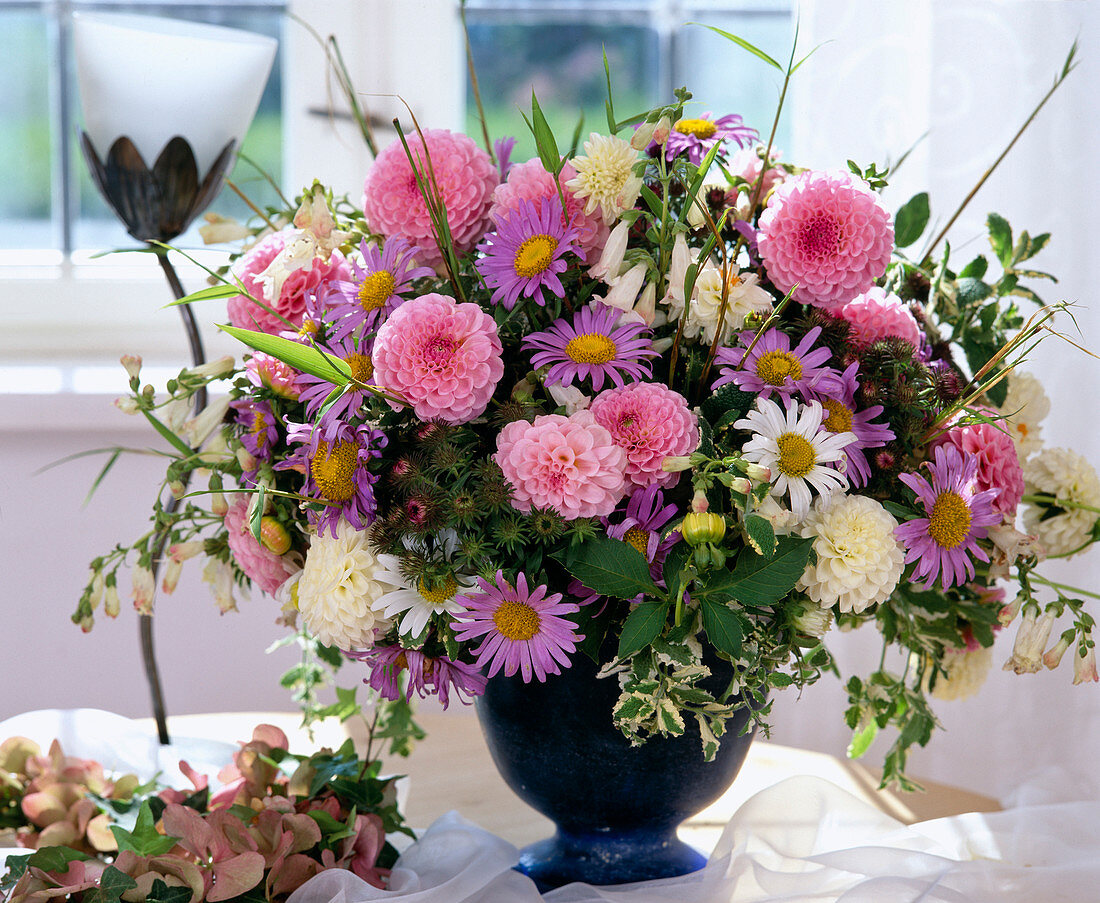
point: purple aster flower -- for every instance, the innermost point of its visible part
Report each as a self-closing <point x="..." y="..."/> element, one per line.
<point x="592" y="346"/>
<point x="502" y="147"/>
<point x="445" y="675"/>
<point x="695" y="137"/>
<point x="526" y="252"/>
<point x="425" y="674"/>
<point x="384" y="275"/>
<point x="524" y="630"/>
<point x="772" y="366"/>
<point x="314" y="391"/>
<point x="958" y="516"/>
<point x="841" y="416"/>
<point x="335" y="455"/>
<point x="258" y="430"/>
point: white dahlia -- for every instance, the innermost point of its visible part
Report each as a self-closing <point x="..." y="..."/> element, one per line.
<point x="743" y="297"/>
<point x="340" y="588"/>
<point x="859" y="562"/>
<point x="1025" y="406"/>
<point x="966" y="670"/>
<point x="605" y="176"/>
<point x="1064" y="476"/>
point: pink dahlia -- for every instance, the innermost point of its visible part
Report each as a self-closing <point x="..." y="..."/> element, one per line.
<point x="442" y="357"/>
<point x="263" y="567"/>
<point x="464" y="174"/>
<point x="570" y="464"/>
<point x="267" y="372"/>
<point x="827" y="233"/>
<point x="877" y="314"/>
<point x="747" y="163"/>
<point x="649" y="422"/>
<point x="998" y="465"/>
<point x="530" y="182"/>
<point x="294" y="293"/>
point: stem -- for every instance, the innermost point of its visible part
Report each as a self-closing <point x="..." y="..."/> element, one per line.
<point x="1042" y="499"/>
<point x="1055" y="585"/>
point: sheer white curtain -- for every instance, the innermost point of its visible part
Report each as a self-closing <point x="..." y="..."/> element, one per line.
<point x="967" y="74"/>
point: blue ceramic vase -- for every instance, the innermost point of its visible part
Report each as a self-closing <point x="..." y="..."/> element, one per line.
<point x="615" y="806"/>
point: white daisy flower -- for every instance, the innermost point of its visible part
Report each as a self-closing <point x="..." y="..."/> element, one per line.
<point x="796" y="449"/>
<point x="605" y="176"/>
<point x="416" y="599"/>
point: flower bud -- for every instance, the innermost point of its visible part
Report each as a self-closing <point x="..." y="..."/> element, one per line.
<point x="144" y="588"/>
<point x="812" y="620"/>
<point x="171" y="575"/>
<point x="676" y="463"/>
<point x="127" y="404"/>
<point x="740" y="484"/>
<point x="1053" y="657"/>
<point x="218" y="504"/>
<point x="643" y="134"/>
<point x="660" y="133"/>
<point x="198" y="428"/>
<point x="274" y="535"/>
<point x="132" y="363"/>
<point x="758" y="472"/>
<point x="177" y="488"/>
<point x="700" y="527"/>
<point x="246" y="459"/>
<point x="1008" y="614"/>
<point x="220" y="367"/>
<point x="1084" y="666"/>
<point x="112" y="604"/>
<point x="181" y="551"/>
<point x="98" y="586"/>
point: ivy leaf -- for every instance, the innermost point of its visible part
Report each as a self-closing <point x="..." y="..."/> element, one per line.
<point x="723" y="627"/>
<point x="1000" y="237"/>
<point x="113" y="883"/>
<point x="160" y="892"/>
<point x="611" y="567"/>
<point x="911" y="220"/>
<point x="145" y="839"/>
<point x="642" y="626"/>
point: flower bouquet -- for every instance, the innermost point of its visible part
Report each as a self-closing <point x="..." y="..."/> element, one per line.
<point x="661" y="400"/>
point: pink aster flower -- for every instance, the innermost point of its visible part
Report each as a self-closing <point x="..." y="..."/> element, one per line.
<point x="592" y="347"/>
<point x="695" y="137"/>
<point x="876" y="314"/>
<point x="841" y="416"/>
<point x="295" y="290"/>
<point x="263" y="567"/>
<point x="649" y="422"/>
<point x="464" y="174"/>
<point x="358" y="306"/>
<point x="826" y="233"/>
<point x="526" y="253"/>
<point x="772" y="366"/>
<point x="959" y="514"/>
<point x="531" y="182"/>
<point x="570" y="464"/>
<point x="524" y="630"/>
<point x="998" y="464"/>
<point x="267" y="372"/>
<point x="335" y="457"/>
<point x="442" y="357"/>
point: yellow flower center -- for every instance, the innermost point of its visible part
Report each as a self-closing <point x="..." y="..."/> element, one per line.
<point x="949" y="522"/>
<point x="334" y="471"/>
<point x="534" y="255"/>
<point x="375" y="290"/>
<point x="308" y="328"/>
<point x="840" y="416"/>
<point x="362" y="367"/>
<point x="773" y="367"/>
<point x="591" y="348"/>
<point x="797" y="456"/>
<point x="516" y="620"/>
<point x="700" y="128"/>
<point x="438" y="592"/>
<point x="638" y="538"/>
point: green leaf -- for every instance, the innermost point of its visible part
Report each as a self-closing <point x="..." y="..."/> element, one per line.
<point x="642" y="627"/>
<point x="677" y="557"/>
<point x="911" y="220"/>
<point x="761" y="535"/>
<point x="171" y="438"/>
<point x="144" y="840"/>
<point x="862" y="740"/>
<point x="976" y="269"/>
<point x="972" y="291"/>
<point x="113" y="883"/>
<point x="757" y="580"/>
<point x="1000" y="237"/>
<point x="544" y="138"/>
<point x="611" y="568"/>
<point x="211" y="293"/>
<point x="723" y="627"/>
<point x="741" y="42"/>
<point x="160" y="892"/>
<point x="301" y="357"/>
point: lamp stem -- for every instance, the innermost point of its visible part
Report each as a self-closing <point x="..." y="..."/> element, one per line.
<point x="198" y="356"/>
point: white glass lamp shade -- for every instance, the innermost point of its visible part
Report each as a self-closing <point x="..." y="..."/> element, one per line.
<point x="151" y="79"/>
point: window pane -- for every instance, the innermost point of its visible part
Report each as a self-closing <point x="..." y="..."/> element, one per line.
<point x="96" y="227"/>
<point x="561" y="59"/>
<point x="26" y="147"/>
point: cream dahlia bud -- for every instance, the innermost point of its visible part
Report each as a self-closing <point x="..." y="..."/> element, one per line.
<point x="132" y="363"/>
<point x="700" y="527"/>
<point x="812" y="620"/>
<point x="1084" y="666"/>
<point x="966" y="671"/>
<point x="859" y="562"/>
<point x="1053" y="656"/>
<point x="144" y="589"/>
<point x="1031" y="639"/>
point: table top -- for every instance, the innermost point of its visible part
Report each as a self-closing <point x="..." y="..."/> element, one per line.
<point x="452" y="769"/>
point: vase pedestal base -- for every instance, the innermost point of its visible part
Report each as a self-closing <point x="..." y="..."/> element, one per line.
<point x="611" y="856"/>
